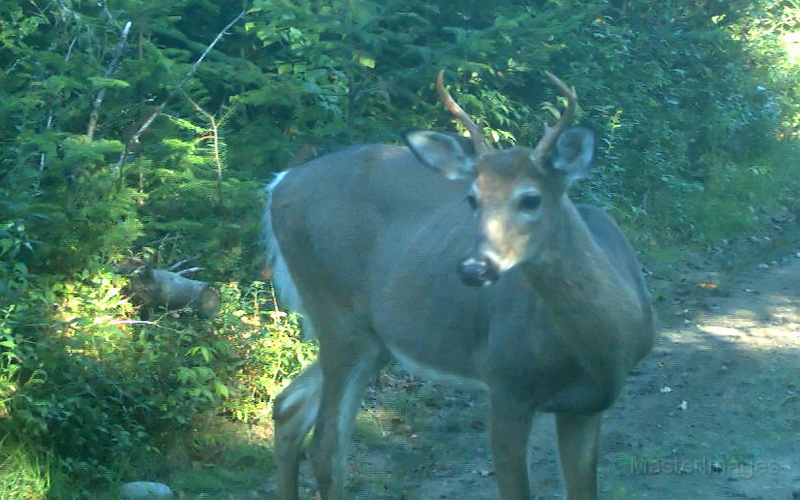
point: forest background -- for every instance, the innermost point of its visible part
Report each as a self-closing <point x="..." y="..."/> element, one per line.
<point x="144" y="130"/>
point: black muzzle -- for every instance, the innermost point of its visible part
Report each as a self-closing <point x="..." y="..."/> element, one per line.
<point x="478" y="271"/>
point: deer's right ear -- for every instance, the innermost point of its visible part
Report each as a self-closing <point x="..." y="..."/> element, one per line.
<point x="451" y="155"/>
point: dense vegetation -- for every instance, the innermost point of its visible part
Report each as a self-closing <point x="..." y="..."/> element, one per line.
<point x="144" y="128"/>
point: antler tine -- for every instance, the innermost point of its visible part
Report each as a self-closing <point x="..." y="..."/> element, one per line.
<point x="456" y="110"/>
<point x="552" y="133"/>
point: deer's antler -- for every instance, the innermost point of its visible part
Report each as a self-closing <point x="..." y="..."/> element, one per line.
<point x="552" y="133"/>
<point x="474" y="130"/>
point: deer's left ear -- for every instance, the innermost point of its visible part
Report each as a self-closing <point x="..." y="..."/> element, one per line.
<point x="451" y="155"/>
<point x="574" y="152"/>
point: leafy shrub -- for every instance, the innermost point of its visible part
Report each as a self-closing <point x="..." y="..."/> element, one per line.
<point x="93" y="383"/>
<point x="92" y="387"/>
<point x="269" y="346"/>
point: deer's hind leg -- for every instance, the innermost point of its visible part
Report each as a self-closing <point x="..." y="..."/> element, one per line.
<point x="349" y="363"/>
<point x="295" y="412"/>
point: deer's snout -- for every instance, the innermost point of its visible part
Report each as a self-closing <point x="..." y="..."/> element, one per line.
<point x="478" y="271"/>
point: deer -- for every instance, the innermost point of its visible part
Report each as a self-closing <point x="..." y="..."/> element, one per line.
<point x="467" y="264"/>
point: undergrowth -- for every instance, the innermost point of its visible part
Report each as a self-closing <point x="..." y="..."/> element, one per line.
<point x="87" y="362"/>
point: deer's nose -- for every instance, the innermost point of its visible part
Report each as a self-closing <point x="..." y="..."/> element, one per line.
<point x="478" y="271"/>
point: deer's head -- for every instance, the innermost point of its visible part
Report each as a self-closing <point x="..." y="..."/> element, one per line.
<point x="519" y="195"/>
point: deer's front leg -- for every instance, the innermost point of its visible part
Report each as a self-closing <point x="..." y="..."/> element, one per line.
<point x="510" y="423"/>
<point x="578" y="438"/>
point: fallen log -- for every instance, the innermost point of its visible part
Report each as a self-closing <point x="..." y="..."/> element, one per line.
<point x="168" y="289"/>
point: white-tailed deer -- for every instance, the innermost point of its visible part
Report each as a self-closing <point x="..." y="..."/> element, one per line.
<point x="376" y="246"/>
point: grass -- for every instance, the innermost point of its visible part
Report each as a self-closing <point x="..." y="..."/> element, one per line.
<point x="24" y="472"/>
<point x="216" y="459"/>
<point x="219" y="459"/>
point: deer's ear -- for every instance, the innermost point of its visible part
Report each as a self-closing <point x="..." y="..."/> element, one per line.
<point x="574" y="152"/>
<point x="451" y="155"/>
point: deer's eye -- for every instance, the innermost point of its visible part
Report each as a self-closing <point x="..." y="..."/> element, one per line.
<point x="529" y="202"/>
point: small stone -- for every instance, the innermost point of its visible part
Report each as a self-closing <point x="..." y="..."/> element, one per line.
<point x="144" y="489"/>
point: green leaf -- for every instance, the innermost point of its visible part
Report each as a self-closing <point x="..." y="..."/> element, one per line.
<point x="100" y="82"/>
<point x="221" y="389"/>
<point x="367" y="62"/>
<point x="8" y="343"/>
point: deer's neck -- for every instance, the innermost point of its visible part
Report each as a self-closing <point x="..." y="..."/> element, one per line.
<point x="597" y="310"/>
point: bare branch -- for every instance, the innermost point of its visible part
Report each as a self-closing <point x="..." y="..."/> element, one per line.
<point x="112" y="66"/>
<point x="183" y="262"/>
<point x="210" y="47"/>
<point x="215" y="146"/>
<point x="189" y="270"/>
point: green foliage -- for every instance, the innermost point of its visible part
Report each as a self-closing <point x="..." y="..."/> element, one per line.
<point x="679" y="118"/>
<point x="93" y="384"/>
<point x="302" y="78"/>
<point x="72" y="379"/>
<point x="677" y="93"/>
